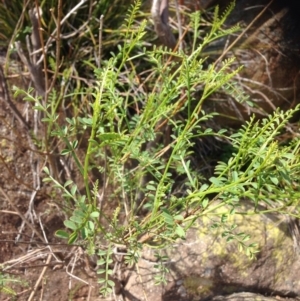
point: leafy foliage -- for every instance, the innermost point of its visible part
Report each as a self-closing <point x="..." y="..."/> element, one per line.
<point x="137" y="141"/>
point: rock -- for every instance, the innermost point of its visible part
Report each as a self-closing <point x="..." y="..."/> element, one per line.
<point x="205" y="266"/>
<point x="248" y="297"/>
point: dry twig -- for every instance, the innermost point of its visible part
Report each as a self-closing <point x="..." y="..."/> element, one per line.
<point x="160" y="16"/>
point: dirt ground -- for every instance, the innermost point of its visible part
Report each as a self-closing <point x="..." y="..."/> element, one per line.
<point x="54" y="272"/>
<point x="39" y="265"/>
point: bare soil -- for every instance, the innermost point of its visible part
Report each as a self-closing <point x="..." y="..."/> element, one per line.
<point x="46" y="269"/>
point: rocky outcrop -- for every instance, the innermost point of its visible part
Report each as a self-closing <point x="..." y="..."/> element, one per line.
<point x="248" y="297"/>
<point x="205" y="265"/>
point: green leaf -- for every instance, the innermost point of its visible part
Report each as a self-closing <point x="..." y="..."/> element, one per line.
<point x="100" y="261"/>
<point x="71" y="121"/>
<point x="76" y="219"/>
<point x="224" y="218"/>
<point x="73" y="189"/>
<point x="110" y="136"/>
<point x="84" y="232"/>
<point x="106" y="290"/>
<point x="110" y="283"/>
<point x="240" y="247"/>
<point x="247" y="237"/>
<point x="65" y="152"/>
<point x="151" y="187"/>
<point x="91" y="226"/>
<point x="38" y="108"/>
<point x="101" y="271"/>
<point x="72" y="238"/>
<point x="86" y="121"/>
<point x="167" y="217"/>
<point x="225" y="233"/>
<point x="178" y="217"/>
<point x="204" y="187"/>
<point x="205" y="202"/>
<point x="232" y="211"/>
<point x="62" y="234"/>
<point x="254" y="185"/>
<point x="46" y="170"/>
<point x="71" y="225"/>
<point x="74" y="144"/>
<point x="274" y="180"/>
<point x="7" y="290"/>
<point x="288" y="156"/>
<point x="45" y="180"/>
<point x="215" y="226"/>
<point x="234" y="176"/>
<point x="208" y="131"/>
<point x="216" y="181"/>
<point x="180" y="231"/>
<point x="102" y="252"/>
<point x="95" y="214"/>
<point x="79" y="213"/>
<point x="68" y="183"/>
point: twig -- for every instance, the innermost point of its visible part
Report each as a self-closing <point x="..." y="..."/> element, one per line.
<point x="9" y="212"/>
<point x="6" y="97"/>
<point x="100" y="41"/>
<point x="40" y="278"/>
<point x="33" y="66"/>
<point x="160" y="16"/>
<point x="263" y="86"/>
<point x="72" y="263"/>
<point x="90" y="292"/>
<point x="179" y="26"/>
<point x="15" y="33"/>
<point x="35" y="75"/>
<point x="46" y="240"/>
<point x="141" y="282"/>
<point x="23" y="259"/>
<point x="58" y="27"/>
<point x="51" y="39"/>
<point x="33" y="242"/>
<point x="21" y="215"/>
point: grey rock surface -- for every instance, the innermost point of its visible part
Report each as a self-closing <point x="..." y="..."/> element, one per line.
<point x="205" y="265"/>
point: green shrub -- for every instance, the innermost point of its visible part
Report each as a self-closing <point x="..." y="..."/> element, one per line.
<point x="130" y="113"/>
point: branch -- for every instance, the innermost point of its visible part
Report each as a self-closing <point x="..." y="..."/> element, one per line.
<point x="160" y="16"/>
<point x="35" y="69"/>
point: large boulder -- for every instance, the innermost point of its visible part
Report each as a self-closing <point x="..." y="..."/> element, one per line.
<point x="205" y="265"/>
